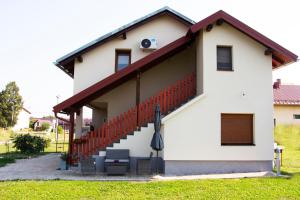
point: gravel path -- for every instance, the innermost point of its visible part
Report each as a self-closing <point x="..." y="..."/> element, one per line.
<point x="44" y="168"/>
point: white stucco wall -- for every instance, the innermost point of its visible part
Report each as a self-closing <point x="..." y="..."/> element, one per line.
<point x="194" y="133"/>
<point x="100" y="62"/>
<point x="138" y="143"/>
<point x="99" y="116"/>
<point x="120" y="99"/>
<point x="123" y="97"/>
<point x="167" y="72"/>
<point x="23" y="120"/>
<point x="284" y="114"/>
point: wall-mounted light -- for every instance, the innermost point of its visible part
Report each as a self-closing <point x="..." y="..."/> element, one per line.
<point x="243" y="93"/>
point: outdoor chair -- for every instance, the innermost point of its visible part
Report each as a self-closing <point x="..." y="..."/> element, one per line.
<point x="87" y="165"/>
<point x="117" y="161"/>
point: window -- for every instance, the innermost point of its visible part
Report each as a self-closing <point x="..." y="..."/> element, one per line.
<point x="123" y="59"/>
<point x="237" y="129"/>
<point x="296" y="116"/>
<point x="224" y="58"/>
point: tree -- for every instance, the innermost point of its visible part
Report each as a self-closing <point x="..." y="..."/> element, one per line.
<point x="10" y="105"/>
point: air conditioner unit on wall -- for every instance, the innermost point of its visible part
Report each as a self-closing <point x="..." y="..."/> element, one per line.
<point x="148" y="43"/>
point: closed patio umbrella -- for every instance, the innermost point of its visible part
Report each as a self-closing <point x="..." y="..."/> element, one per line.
<point x="157" y="143"/>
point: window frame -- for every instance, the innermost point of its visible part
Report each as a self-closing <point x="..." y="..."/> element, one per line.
<point x="236" y="143"/>
<point x="120" y="52"/>
<point x="219" y="68"/>
<point x="296" y="116"/>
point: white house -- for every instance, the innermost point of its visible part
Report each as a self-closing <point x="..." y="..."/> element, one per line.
<point x="23" y="120"/>
<point x="206" y="77"/>
<point x="286" y="104"/>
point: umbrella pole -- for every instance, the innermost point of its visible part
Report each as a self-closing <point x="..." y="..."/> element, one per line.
<point x="156" y="162"/>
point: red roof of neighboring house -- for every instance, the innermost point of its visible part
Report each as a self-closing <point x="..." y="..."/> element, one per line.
<point x="87" y="121"/>
<point x="280" y="55"/>
<point x="287" y="95"/>
<point x="42" y="120"/>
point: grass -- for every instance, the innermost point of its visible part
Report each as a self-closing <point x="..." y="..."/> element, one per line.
<point x="259" y="188"/>
<point x="5" y="134"/>
<point x="11" y="157"/>
<point x="289" y="137"/>
<point x="247" y="188"/>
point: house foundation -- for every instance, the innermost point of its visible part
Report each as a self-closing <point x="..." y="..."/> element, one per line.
<point x="215" y="167"/>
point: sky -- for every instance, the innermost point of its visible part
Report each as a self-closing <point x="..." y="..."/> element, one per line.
<point x="34" y="34"/>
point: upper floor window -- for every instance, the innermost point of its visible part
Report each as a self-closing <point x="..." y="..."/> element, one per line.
<point x="224" y="58"/>
<point x="296" y="116"/>
<point x="123" y="59"/>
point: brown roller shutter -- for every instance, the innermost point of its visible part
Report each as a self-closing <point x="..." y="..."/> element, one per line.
<point x="236" y="129"/>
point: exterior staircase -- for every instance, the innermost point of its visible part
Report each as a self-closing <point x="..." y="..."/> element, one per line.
<point x="132" y="122"/>
<point x="136" y="142"/>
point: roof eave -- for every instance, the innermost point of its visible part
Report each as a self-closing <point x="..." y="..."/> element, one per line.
<point x="244" y="29"/>
<point x="70" y="56"/>
<point x="63" y="69"/>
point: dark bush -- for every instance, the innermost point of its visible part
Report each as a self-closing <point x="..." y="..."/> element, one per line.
<point x="45" y="126"/>
<point x="30" y="144"/>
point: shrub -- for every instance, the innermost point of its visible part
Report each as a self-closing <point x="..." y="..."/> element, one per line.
<point x="45" y="126"/>
<point x="60" y="129"/>
<point x="30" y="144"/>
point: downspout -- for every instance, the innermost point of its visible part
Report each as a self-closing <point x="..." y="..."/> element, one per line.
<point x="71" y="132"/>
<point x="60" y="118"/>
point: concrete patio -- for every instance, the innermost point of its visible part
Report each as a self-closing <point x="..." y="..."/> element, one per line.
<point x="45" y="168"/>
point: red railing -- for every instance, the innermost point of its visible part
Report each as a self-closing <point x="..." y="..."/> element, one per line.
<point x="169" y="99"/>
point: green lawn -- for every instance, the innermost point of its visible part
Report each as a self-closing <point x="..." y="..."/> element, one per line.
<point x="289" y="137"/>
<point x="9" y="155"/>
<point x="5" y="136"/>
<point x="262" y="188"/>
<point x="247" y="188"/>
<point x="6" y="158"/>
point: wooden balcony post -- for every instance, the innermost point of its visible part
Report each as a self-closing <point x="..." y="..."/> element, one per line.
<point x="71" y="136"/>
<point x="138" y="93"/>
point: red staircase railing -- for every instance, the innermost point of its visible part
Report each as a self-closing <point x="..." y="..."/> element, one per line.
<point x="119" y="127"/>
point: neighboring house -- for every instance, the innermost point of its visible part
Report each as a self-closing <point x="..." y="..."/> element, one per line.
<point x="23" y="120"/>
<point x="37" y="124"/>
<point x="286" y="103"/>
<point x="212" y="80"/>
<point x="87" y="121"/>
<point x="63" y="124"/>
